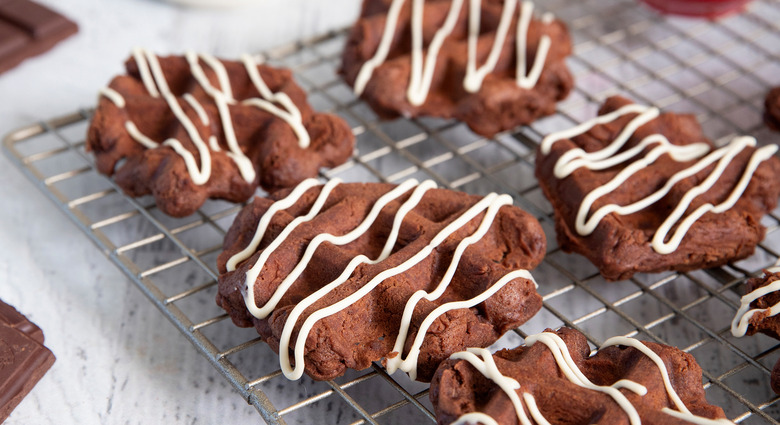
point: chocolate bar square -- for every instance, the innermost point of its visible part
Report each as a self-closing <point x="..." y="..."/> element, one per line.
<point x="28" y="29"/>
<point x="23" y="358"/>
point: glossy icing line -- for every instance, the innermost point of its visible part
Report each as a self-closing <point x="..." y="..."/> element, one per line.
<point x="423" y="63"/>
<point x="422" y="69"/>
<point x="741" y="321"/>
<point x="560" y="351"/>
<point x="245" y="166"/>
<point x="114" y="96"/>
<point x="490" y="204"/>
<point x="195" y="105"/>
<point x="291" y="114"/>
<point x="367" y="70"/>
<point x="204" y="119"/>
<point x="157" y="86"/>
<point x="483" y="361"/>
<point x="474" y="76"/>
<point x="193" y="59"/>
<point x="139" y="55"/>
<point x="610" y="156"/>
<point x="527" y="79"/>
<point x="140" y="137"/>
<point x="200" y="175"/>
<point x="475" y="418"/>
<point x="573" y="373"/>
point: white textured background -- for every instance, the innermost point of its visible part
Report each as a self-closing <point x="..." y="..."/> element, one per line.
<point x="118" y="360"/>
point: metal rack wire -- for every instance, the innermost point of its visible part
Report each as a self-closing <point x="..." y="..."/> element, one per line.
<point x="718" y="71"/>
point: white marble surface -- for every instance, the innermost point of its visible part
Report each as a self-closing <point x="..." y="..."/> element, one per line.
<point x="118" y="360"/>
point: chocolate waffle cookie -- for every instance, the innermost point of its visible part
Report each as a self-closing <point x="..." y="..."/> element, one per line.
<point x="489" y="63"/>
<point x="341" y="275"/>
<point x="759" y="311"/>
<point x="188" y="128"/>
<point x="635" y="190"/>
<point x="553" y="379"/>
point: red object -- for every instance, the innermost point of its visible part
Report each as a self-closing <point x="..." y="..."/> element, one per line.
<point x="698" y="8"/>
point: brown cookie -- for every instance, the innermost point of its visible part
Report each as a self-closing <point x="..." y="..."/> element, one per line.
<point x="772" y="109"/>
<point x="188" y="128"/>
<point x="349" y="292"/>
<point x="629" y="207"/>
<point x="754" y="314"/>
<point x="588" y="389"/>
<point x="487" y="88"/>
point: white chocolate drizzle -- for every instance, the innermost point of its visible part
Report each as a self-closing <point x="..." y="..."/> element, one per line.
<point x="139" y="55"/>
<point x="157" y="86"/>
<point x="560" y="351"/>
<point x="200" y="76"/>
<point x="204" y="119"/>
<point x="244" y="164"/>
<point x="527" y="79"/>
<point x="290" y="114"/>
<point x="113" y="96"/>
<point x="194" y="104"/>
<point x="475" y="417"/>
<point x="608" y="157"/>
<point x="409" y="364"/>
<point x="490" y="205"/>
<point x="423" y="63"/>
<point x="486" y="365"/>
<point x="741" y="321"/>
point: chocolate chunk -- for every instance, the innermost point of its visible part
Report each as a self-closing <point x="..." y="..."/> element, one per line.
<point x="23" y="359"/>
<point x="28" y="29"/>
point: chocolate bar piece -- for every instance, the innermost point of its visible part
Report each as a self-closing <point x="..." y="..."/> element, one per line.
<point x="9" y="316"/>
<point x="23" y="358"/>
<point x="28" y="29"/>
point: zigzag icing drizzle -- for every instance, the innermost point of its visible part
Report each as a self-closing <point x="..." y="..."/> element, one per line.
<point x="608" y="157"/>
<point x="490" y="205"/>
<point x="483" y="361"/>
<point x="739" y="325"/>
<point x="423" y="65"/>
<point x="156" y="85"/>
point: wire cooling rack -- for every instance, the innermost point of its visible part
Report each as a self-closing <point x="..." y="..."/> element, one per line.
<point x="718" y="71"/>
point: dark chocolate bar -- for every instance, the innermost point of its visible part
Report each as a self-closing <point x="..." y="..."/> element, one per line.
<point x="28" y="29"/>
<point x="23" y="358"/>
<point x="9" y="316"/>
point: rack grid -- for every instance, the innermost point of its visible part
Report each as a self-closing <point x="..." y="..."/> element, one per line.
<point x="719" y="71"/>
